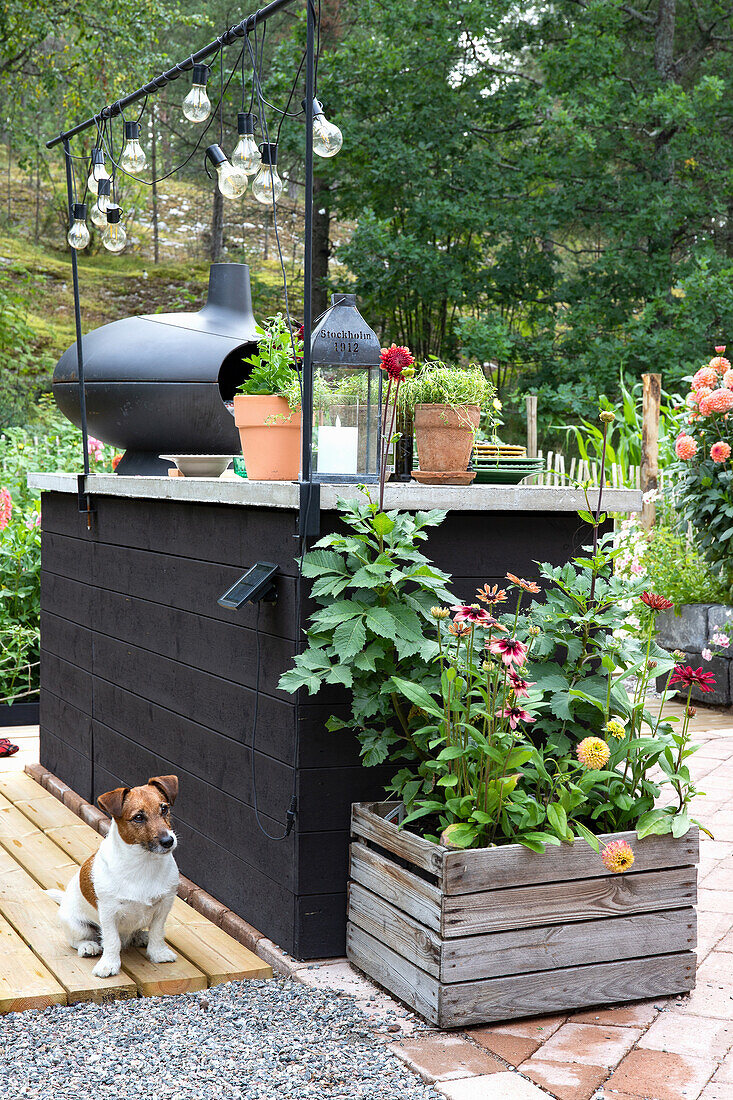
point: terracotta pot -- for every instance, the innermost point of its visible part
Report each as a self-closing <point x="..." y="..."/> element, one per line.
<point x="444" y="435"/>
<point x="269" y="432"/>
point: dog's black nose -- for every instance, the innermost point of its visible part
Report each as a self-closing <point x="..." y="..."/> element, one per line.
<point x="166" y="841"/>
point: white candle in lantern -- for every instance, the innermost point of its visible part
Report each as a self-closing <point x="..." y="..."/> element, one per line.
<point x="337" y="449"/>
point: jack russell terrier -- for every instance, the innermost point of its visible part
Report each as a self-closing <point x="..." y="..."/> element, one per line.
<point x="131" y="882"/>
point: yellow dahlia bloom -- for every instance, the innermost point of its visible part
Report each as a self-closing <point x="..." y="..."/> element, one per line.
<point x="616" y="728"/>
<point x="618" y="856"/>
<point x="593" y="753"/>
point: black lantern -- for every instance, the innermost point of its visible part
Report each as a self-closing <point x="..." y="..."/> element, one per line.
<point x="347" y="395"/>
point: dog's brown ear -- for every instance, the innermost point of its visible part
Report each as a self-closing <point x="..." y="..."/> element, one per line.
<point x="112" y="801"/>
<point x="168" y="784"/>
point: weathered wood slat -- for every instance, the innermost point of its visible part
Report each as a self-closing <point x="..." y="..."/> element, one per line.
<point x="46" y="812"/>
<point x="402" y="888"/>
<point x="24" y="980"/>
<point x="367" y="823"/>
<point x="395" y="929"/>
<point x="496" y="999"/>
<point x="514" y="865"/>
<point x="215" y="953"/>
<point x="527" y="906"/>
<point x="407" y="981"/>
<point x="78" y="841"/>
<point x="551" y="947"/>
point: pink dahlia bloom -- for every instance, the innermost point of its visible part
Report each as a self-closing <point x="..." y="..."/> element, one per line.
<point x="510" y="650"/>
<point x="706" y="376"/>
<point x="719" y="362"/>
<point x="6" y="508"/>
<point x="517" y="715"/>
<point x="394" y="360"/>
<point x="685" y="447"/>
<point x="719" y="401"/>
<point x="618" y="856"/>
<point x="703" y="391"/>
<point x="472" y="613"/>
<point x="728" y="379"/>
<point x="720" y="452"/>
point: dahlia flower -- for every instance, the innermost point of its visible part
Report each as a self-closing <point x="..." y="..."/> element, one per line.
<point x="719" y="362"/>
<point x="516" y="715"/>
<point x="593" y="753"/>
<point x="656" y="603"/>
<point x="618" y="856"/>
<point x="528" y="586"/>
<point x="697" y="395"/>
<point x="439" y="612"/>
<point x="691" y="677"/>
<point x="706" y="376"/>
<point x="685" y="447"/>
<point x="472" y="613"/>
<point x="6" y="508"/>
<point x="394" y="360"/>
<point x="728" y="379"/>
<point x="511" y="651"/>
<point x="720" y="452"/>
<point x="616" y="728"/>
<point x="719" y="401"/>
<point x="491" y="594"/>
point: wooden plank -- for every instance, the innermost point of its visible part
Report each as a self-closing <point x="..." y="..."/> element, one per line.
<point x="367" y="823"/>
<point x="514" y="865"/>
<point x="407" y="981"/>
<point x="34" y="916"/>
<point x="387" y="879"/>
<point x="17" y="787"/>
<point x="215" y="953"/>
<point x="47" y="812"/>
<point x="565" y="945"/>
<point x="495" y="999"/>
<point x="78" y="841"/>
<point x="526" y="906"/>
<point x="402" y="933"/>
<point x="159" y="979"/>
<point x="12" y="822"/>
<point x="24" y="981"/>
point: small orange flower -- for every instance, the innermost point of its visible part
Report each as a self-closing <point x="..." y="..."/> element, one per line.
<point x="491" y="593"/>
<point x="528" y="586"/>
<point x="593" y="753"/>
<point x="618" y="856"/>
<point x="459" y="630"/>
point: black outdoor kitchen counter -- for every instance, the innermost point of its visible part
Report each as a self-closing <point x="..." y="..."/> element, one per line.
<point x="143" y="673"/>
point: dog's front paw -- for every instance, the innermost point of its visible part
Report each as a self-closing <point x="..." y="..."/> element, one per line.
<point x="161" y="954"/>
<point x="106" y="968"/>
<point x="88" y="949"/>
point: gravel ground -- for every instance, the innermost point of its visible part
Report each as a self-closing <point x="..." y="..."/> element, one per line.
<point x="243" y="1041"/>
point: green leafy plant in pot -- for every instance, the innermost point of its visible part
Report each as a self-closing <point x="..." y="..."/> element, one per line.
<point x="267" y="405"/>
<point x="447" y="403"/>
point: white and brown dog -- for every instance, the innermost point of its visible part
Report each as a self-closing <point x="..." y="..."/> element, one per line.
<point x="122" y="895"/>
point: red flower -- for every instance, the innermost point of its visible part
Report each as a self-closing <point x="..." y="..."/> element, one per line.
<point x="394" y="360"/>
<point x="510" y="650"/>
<point x="516" y="715"/>
<point x="690" y="677"/>
<point x="520" y="686"/>
<point x="657" y="603"/>
<point x="471" y="613"/>
<point x="300" y="332"/>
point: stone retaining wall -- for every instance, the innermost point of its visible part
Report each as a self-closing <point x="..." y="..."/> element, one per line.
<point x="690" y="632"/>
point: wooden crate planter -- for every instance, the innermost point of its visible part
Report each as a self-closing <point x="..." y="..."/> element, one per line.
<point x="497" y="933"/>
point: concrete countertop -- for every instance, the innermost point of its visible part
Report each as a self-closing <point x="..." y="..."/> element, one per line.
<point x="284" y="494"/>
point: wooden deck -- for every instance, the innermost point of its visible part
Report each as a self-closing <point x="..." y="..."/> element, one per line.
<point x="41" y="845"/>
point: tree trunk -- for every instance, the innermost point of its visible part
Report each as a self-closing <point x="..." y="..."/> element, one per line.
<point x="165" y="141"/>
<point x="664" y="39"/>
<point x="37" y="218"/>
<point x="321" y="244"/>
<point x="154" y="188"/>
<point x="217" y="226"/>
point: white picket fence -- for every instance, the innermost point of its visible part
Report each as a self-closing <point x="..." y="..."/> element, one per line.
<point x="556" y="472"/>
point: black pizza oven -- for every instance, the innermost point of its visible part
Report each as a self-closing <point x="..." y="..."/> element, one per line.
<point x="157" y="384"/>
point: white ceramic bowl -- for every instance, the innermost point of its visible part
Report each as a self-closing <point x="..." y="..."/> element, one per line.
<point x="200" y="465"/>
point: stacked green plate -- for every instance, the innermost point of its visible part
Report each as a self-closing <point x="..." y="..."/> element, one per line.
<point x="505" y="469"/>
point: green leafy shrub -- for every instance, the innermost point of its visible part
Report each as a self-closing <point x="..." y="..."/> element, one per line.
<point x="273" y="365"/>
<point x="675" y="567"/>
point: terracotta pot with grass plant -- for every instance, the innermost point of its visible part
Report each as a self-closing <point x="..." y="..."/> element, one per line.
<point x="267" y="405"/>
<point x="448" y="403"/>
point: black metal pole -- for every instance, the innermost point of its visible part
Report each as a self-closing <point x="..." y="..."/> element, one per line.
<point x="307" y="409"/>
<point x="84" y="499"/>
<point x="158" y="82"/>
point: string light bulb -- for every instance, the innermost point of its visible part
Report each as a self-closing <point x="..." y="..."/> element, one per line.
<point x="327" y="138"/>
<point x="101" y="206"/>
<point x="78" y="236"/>
<point x="114" y="237"/>
<point x="246" y="153"/>
<point x="197" y="105"/>
<point x="133" y="157"/>
<point x="267" y="187"/>
<point x="232" y="181"/>
<point x="99" y="170"/>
